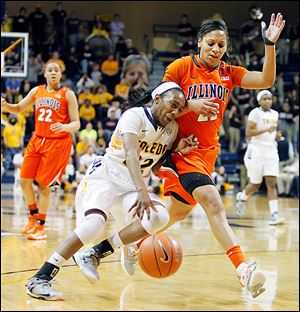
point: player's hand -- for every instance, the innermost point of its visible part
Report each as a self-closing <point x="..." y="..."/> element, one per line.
<point x="57" y="127"/>
<point x="275" y="28"/>
<point x="185" y="145"/>
<point x="205" y="107"/>
<point x="272" y="128"/>
<point x="143" y="203"/>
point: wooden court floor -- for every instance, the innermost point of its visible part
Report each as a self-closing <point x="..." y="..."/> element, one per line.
<point x="206" y="280"/>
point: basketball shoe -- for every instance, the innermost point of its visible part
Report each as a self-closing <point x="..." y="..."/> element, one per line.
<point x="253" y="280"/>
<point x="129" y="256"/>
<point x="88" y="262"/>
<point x="40" y="288"/>
<point x="276" y="219"/>
<point x="38" y="232"/>
<point x="29" y="227"/>
<point x="240" y="204"/>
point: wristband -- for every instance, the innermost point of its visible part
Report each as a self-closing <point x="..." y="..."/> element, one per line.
<point x="263" y="34"/>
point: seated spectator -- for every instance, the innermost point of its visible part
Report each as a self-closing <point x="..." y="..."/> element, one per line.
<point x="189" y="47"/>
<point x="87" y="113"/>
<point x="96" y="75"/>
<point x="115" y="106"/>
<point x="12" y="89"/>
<point x="109" y="125"/>
<point x="136" y="71"/>
<point x="87" y="158"/>
<point x="81" y="147"/>
<point x="86" y="59"/>
<point x="100" y="100"/>
<point x="100" y="146"/>
<point x="79" y="174"/>
<point x="85" y="95"/>
<point x="246" y="50"/>
<point x="110" y="70"/>
<point x="184" y="30"/>
<point x="71" y="59"/>
<point x="122" y="89"/>
<point x="129" y="50"/>
<point x="89" y="133"/>
<point x="85" y="82"/>
<point x="286" y="176"/>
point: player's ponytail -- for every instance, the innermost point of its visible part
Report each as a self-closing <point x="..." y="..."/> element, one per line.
<point x="136" y="98"/>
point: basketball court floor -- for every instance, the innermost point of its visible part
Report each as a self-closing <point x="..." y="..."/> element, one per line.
<point x="206" y="280"/>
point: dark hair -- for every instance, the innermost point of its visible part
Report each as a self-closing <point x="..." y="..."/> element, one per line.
<point x="211" y="24"/>
<point x="140" y="97"/>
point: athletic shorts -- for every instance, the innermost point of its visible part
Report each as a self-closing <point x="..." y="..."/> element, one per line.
<point x="198" y="160"/>
<point x="45" y="159"/>
<point x="108" y="189"/>
<point x="261" y="162"/>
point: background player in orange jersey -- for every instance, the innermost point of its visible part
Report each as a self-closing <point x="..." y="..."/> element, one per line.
<point x="48" y="151"/>
<point x="207" y="81"/>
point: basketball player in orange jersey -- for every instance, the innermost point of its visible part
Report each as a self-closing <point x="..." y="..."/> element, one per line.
<point x="48" y="151"/>
<point x="207" y="82"/>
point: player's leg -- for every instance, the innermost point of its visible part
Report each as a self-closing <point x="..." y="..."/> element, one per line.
<point x="273" y="201"/>
<point x="209" y="198"/>
<point x="91" y="218"/>
<point x="255" y="167"/>
<point x="28" y="172"/>
<point x="128" y="235"/>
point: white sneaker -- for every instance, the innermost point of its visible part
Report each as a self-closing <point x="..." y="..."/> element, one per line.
<point x="276" y="219"/>
<point x="240" y="204"/>
<point x="40" y="288"/>
<point x="88" y="262"/>
<point x="129" y="256"/>
<point x="253" y="280"/>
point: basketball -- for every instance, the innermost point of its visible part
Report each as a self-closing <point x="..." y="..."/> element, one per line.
<point x="160" y="255"/>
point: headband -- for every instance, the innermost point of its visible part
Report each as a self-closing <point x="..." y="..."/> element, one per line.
<point x="164" y="87"/>
<point x="262" y="93"/>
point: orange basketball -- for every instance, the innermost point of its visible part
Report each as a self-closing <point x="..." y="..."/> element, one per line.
<point x="160" y="255"/>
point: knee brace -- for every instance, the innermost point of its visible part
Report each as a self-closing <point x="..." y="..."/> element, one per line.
<point x="90" y="228"/>
<point x="157" y="221"/>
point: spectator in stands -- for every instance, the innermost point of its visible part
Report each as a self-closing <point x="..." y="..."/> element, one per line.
<point x="115" y="105"/>
<point x="100" y="101"/>
<point x="73" y="24"/>
<point x="184" y="29"/>
<point x="286" y="176"/>
<point x="235" y="124"/>
<point x="71" y="59"/>
<point x="38" y="21"/>
<point x="96" y="75"/>
<point x="89" y="133"/>
<point x="136" y="71"/>
<point x="79" y="174"/>
<point x="117" y="27"/>
<point x="87" y="158"/>
<point x="81" y="147"/>
<point x="58" y="16"/>
<point x="34" y="69"/>
<point x="255" y="64"/>
<point x="219" y="178"/>
<point x="84" y="83"/>
<point x="13" y="141"/>
<point x="286" y="120"/>
<point x="246" y="50"/>
<point x="110" y="70"/>
<point x="252" y="27"/>
<point x="109" y="125"/>
<point x="21" y="22"/>
<point x="100" y="146"/>
<point x="17" y="162"/>
<point x="86" y="59"/>
<point x="98" y="30"/>
<point x="86" y="94"/>
<point x="189" y="47"/>
<point x="129" y="50"/>
<point x="87" y="113"/>
<point x="243" y="97"/>
<point x="12" y="89"/>
<point x="122" y="89"/>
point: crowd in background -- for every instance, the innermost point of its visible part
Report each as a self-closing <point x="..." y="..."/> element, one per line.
<point x="102" y="64"/>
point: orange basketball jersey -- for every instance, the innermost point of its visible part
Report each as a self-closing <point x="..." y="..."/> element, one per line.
<point x="199" y="82"/>
<point x="50" y="107"/>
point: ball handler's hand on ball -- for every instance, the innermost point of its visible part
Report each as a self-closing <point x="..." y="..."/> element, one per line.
<point x="143" y="203"/>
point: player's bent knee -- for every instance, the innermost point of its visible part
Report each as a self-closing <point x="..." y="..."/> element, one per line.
<point x="158" y="220"/>
<point x="90" y="228"/>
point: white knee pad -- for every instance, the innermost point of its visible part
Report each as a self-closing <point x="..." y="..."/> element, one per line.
<point x="90" y="228"/>
<point x="158" y="220"/>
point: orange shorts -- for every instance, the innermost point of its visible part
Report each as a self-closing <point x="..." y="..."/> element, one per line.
<point x="197" y="160"/>
<point x="45" y="159"/>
